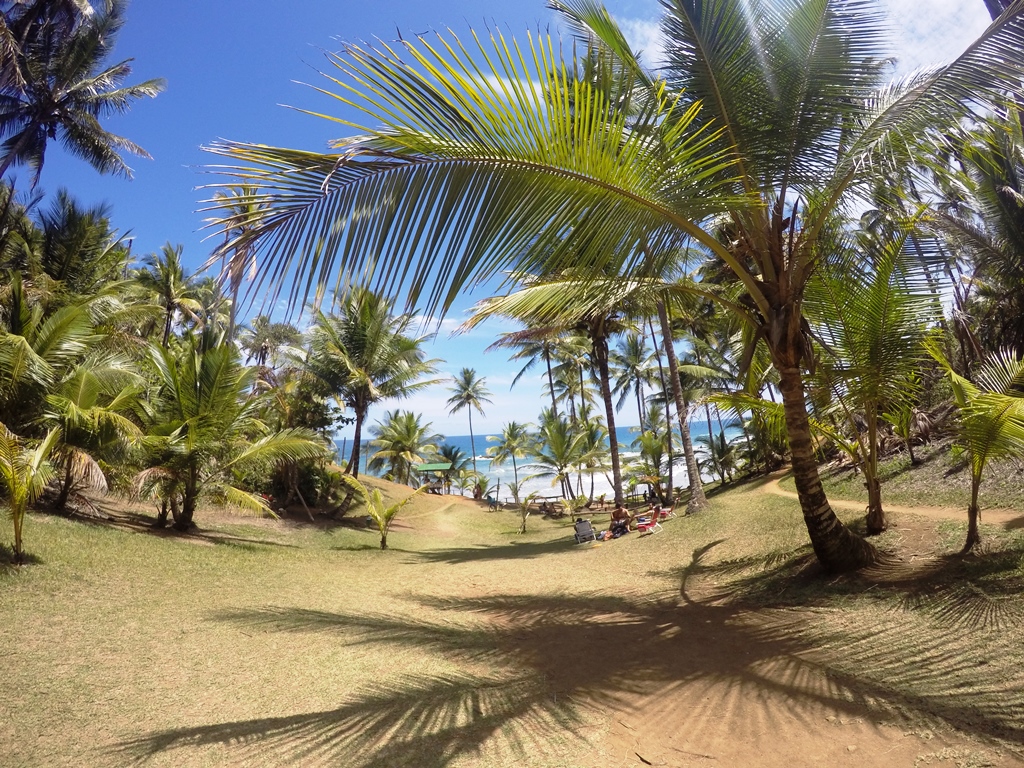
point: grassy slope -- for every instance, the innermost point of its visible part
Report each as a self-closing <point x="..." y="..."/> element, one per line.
<point x="463" y="645"/>
<point x="939" y="480"/>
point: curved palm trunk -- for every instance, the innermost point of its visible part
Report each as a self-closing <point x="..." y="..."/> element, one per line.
<point x="698" y="500"/>
<point x="836" y="546"/>
<point x="600" y="342"/>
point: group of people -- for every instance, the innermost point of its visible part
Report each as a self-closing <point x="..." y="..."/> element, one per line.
<point x="622" y="521"/>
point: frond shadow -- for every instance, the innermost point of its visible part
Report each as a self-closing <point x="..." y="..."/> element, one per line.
<point x="551" y="659"/>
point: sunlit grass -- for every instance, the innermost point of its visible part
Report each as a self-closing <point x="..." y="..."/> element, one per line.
<point x="265" y="643"/>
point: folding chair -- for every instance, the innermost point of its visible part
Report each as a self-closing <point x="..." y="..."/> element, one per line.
<point x="647" y="524"/>
<point x="584" y="532"/>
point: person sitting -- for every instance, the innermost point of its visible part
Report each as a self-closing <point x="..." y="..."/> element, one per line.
<point x="620" y="521"/>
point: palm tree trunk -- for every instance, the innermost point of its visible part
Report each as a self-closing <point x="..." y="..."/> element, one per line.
<point x="353" y="460"/>
<point x="18" y="518"/>
<point x="600" y="342"/>
<point x="472" y="443"/>
<point x="551" y="383"/>
<point x="876" y="522"/>
<point x="698" y="500"/>
<point x="973" y="517"/>
<point x="189" y="498"/>
<point x="65" y="488"/>
<point x="668" y="415"/>
<point x="836" y="546"/>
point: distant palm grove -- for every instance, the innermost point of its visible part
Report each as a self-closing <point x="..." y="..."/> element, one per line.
<point x="767" y="231"/>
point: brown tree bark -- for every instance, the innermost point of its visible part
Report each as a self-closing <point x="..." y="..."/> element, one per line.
<point x="698" y="501"/>
<point x="836" y="546"/>
<point x="600" y="346"/>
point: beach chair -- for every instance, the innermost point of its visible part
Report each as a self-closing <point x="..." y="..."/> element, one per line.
<point x="648" y="524"/>
<point x="584" y="532"/>
<point x="667" y="514"/>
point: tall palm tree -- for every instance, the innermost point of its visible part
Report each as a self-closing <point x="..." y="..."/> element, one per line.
<point x="571" y="303"/>
<point x="531" y="345"/>
<point x="163" y="277"/>
<point x="558" y="449"/>
<point x="631" y="361"/>
<point x="59" y="86"/>
<point x="366" y="354"/>
<point x="773" y="114"/>
<point x="469" y="393"/>
<point x="514" y="442"/>
<point x="237" y="256"/>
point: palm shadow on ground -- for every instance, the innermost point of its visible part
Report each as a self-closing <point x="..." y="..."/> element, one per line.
<point x="554" y="663"/>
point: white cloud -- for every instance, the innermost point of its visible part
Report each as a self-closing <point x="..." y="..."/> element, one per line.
<point x="644" y="36"/>
<point x="928" y="32"/>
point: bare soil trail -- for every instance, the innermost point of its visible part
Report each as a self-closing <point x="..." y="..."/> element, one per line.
<point x="1007" y="518"/>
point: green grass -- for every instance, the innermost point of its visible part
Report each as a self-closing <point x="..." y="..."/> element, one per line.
<point x="939" y="480"/>
<point x="269" y="643"/>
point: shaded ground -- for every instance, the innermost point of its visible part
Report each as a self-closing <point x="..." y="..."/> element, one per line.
<point x="712" y="643"/>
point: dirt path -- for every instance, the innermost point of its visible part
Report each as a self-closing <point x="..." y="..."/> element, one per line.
<point x="1008" y="518"/>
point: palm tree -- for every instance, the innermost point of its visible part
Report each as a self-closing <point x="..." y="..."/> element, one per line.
<point x="571" y="302"/>
<point x="991" y="420"/>
<point x="872" y="308"/>
<point x="163" y="277"/>
<point x="469" y="393"/>
<point x="772" y="115"/>
<point x="558" y="449"/>
<point x="25" y="472"/>
<point x="243" y="208"/>
<point x="459" y="461"/>
<point x="366" y="354"/>
<point x="382" y="514"/>
<point x="631" y="362"/>
<point x="402" y="442"/>
<point x="203" y="428"/>
<point x="515" y="442"/>
<point x="531" y="345"/>
<point x="91" y="409"/>
<point x="58" y="86"/>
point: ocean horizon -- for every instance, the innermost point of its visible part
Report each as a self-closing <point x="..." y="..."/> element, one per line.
<point x="499" y="477"/>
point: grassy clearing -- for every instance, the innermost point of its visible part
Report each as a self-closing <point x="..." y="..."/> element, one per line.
<point x="268" y="643"/>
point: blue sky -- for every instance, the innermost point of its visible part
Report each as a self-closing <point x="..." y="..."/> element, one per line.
<point x="229" y="65"/>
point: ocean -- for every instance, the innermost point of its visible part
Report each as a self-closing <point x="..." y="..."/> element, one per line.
<point x="500" y="477"/>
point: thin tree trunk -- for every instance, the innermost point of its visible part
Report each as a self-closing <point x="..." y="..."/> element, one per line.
<point x="161" y="517"/>
<point x="600" y="342"/>
<point x="353" y="461"/>
<point x="188" y="502"/>
<point x="551" y="383"/>
<point x="668" y="415"/>
<point x="65" y="488"/>
<point x="973" y="517"/>
<point x="876" y="522"/>
<point x="836" y="546"/>
<point x="472" y="443"/>
<point x="698" y="501"/>
<point x="18" y="519"/>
